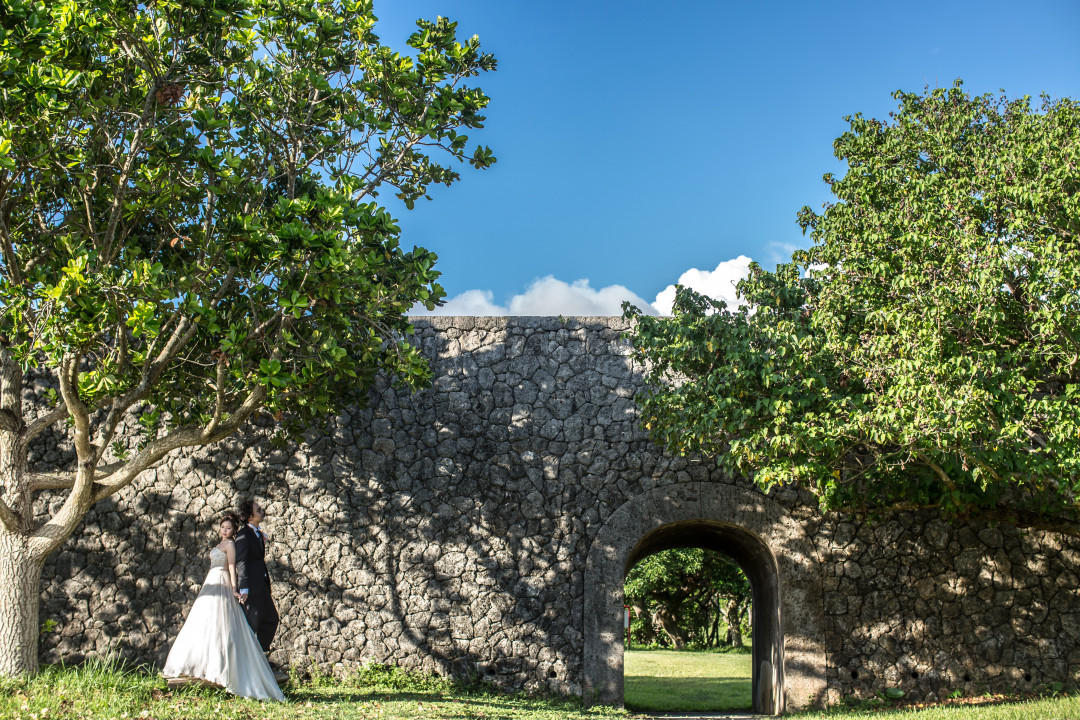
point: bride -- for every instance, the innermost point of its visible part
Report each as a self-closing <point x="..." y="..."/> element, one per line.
<point x="216" y="643"/>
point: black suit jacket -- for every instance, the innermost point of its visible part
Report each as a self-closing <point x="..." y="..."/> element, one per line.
<point x="251" y="563"/>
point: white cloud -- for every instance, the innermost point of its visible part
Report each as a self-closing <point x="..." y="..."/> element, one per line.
<point x="548" y="296"/>
<point x="545" y="296"/>
<point x="470" y="302"/>
<point x="718" y="284"/>
<point x="551" y="296"/>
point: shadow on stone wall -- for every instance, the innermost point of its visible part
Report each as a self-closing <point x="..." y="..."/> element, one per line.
<point x="461" y="560"/>
<point x="929" y="607"/>
<point x="448" y="531"/>
<point x="444" y="531"/>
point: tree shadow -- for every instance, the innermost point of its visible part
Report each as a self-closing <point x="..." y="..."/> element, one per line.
<point x="443" y="531"/>
<point x="446" y="531"/>
<point x="688" y="694"/>
<point x="466" y="558"/>
<point x="931" y="608"/>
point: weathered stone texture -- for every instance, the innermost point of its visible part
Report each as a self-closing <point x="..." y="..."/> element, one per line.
<point x="930" y="607"/>
<point x="448" y="531"/>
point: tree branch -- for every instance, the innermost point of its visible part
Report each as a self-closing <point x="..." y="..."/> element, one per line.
<point x="976" y="461"/>
<point x="10" y="391"/>
<point x="37" y="426"/>
<point x="179" y="438"/>
<point x="9" y="421"/>
<point x="80" y="415"/>
<point x="1036" y="437"/>
<point x="944" y="477"/>
<point x="50" y="481"/>
<point x="219" y="392"/>
<point x="7" y="252"/>
<point x="183" y="332"/>
<point x="1068" y="336"/>
<point x="121" y="182"/>
<point x="78" y="501"/>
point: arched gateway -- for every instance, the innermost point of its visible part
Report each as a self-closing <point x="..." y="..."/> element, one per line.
<point x="774" y="552"/>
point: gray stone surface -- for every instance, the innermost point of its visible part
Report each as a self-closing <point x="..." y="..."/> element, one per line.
<point x="477" y="528"/>
<point x="780" y="560"/>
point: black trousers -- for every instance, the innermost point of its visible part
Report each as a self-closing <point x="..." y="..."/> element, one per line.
<point x="262" y="617"/>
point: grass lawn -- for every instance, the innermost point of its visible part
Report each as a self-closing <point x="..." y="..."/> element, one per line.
<point x="666" y="680"/>
<point x="1060" y="708"/>
<point x="97" y="692"/>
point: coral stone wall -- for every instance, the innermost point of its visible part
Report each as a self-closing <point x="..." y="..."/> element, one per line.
<point x="930" y="607"/>
<point x="448" y="531"/>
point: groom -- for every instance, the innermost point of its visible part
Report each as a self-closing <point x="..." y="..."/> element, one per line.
<point x="251" y="575"/>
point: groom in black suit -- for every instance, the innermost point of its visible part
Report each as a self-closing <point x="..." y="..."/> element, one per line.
<point x="251" y="574"/>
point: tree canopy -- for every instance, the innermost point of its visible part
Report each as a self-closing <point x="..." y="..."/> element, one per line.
<point x="190" y="229"/>
<point x="923" y="353"/>
<point x="686" y="592"/>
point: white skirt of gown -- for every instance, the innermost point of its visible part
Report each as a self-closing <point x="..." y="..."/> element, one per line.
<point x="217" y="644"/>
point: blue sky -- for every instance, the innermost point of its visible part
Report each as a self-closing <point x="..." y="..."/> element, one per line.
<point x="639" y="141"/>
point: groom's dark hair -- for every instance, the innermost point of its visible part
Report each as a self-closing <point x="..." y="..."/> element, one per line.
<point x="245" y="509"/>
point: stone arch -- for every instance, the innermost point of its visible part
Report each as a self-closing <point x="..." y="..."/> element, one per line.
<point x="778" y="558"/>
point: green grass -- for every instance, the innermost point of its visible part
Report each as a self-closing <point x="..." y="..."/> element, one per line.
<point x="666" y="680"/>
<point x="101" y="692"/>
<point x="98" y="691"/>
<point x="1060" y="708"/>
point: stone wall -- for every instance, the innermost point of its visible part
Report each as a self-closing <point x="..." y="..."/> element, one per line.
<point x="448" y="531"/>
<point x="930" y="607"/>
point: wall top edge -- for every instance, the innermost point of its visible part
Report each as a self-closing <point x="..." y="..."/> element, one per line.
<point x="539" y="322"/>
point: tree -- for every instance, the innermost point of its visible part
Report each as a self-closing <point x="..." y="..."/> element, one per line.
<point x="923" y="353"/>
<point x="190" y="234"/>
<point x="681" y="591"/>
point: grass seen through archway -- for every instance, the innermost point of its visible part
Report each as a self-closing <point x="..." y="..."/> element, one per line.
<point x="686" y="680"/>
<point x="697" y="603"/>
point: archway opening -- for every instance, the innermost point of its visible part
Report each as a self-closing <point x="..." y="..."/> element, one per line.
<point x="780" y="561"/>
<point x="689" y="611"/>
<point x="759" y="566"/>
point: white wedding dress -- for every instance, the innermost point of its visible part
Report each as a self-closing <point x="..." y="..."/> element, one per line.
<point x="217" y="644"/>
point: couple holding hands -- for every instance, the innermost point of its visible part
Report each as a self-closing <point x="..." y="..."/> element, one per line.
<point x="233" y="620"/>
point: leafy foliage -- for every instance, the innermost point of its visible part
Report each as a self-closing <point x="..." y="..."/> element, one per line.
<point x="189" y="224"/>
<point x="923" y="352"/>
<point x="207" y="177"/>
<point x="684" y="591"/>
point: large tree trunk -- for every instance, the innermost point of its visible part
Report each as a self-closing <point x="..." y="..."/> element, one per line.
<point x="734" y="630"/>
<point x="20" y="567"/>
<point x="666" y="620"/>
<point x="714" y="630"/>
<point x="20" y="596"/>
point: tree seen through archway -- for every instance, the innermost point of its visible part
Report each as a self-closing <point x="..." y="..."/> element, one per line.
<point x="690" y="614"/>
<point x="688" y="596"/>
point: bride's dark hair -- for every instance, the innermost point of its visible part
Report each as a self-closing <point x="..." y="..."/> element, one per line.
<point x="231" y="517"/>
